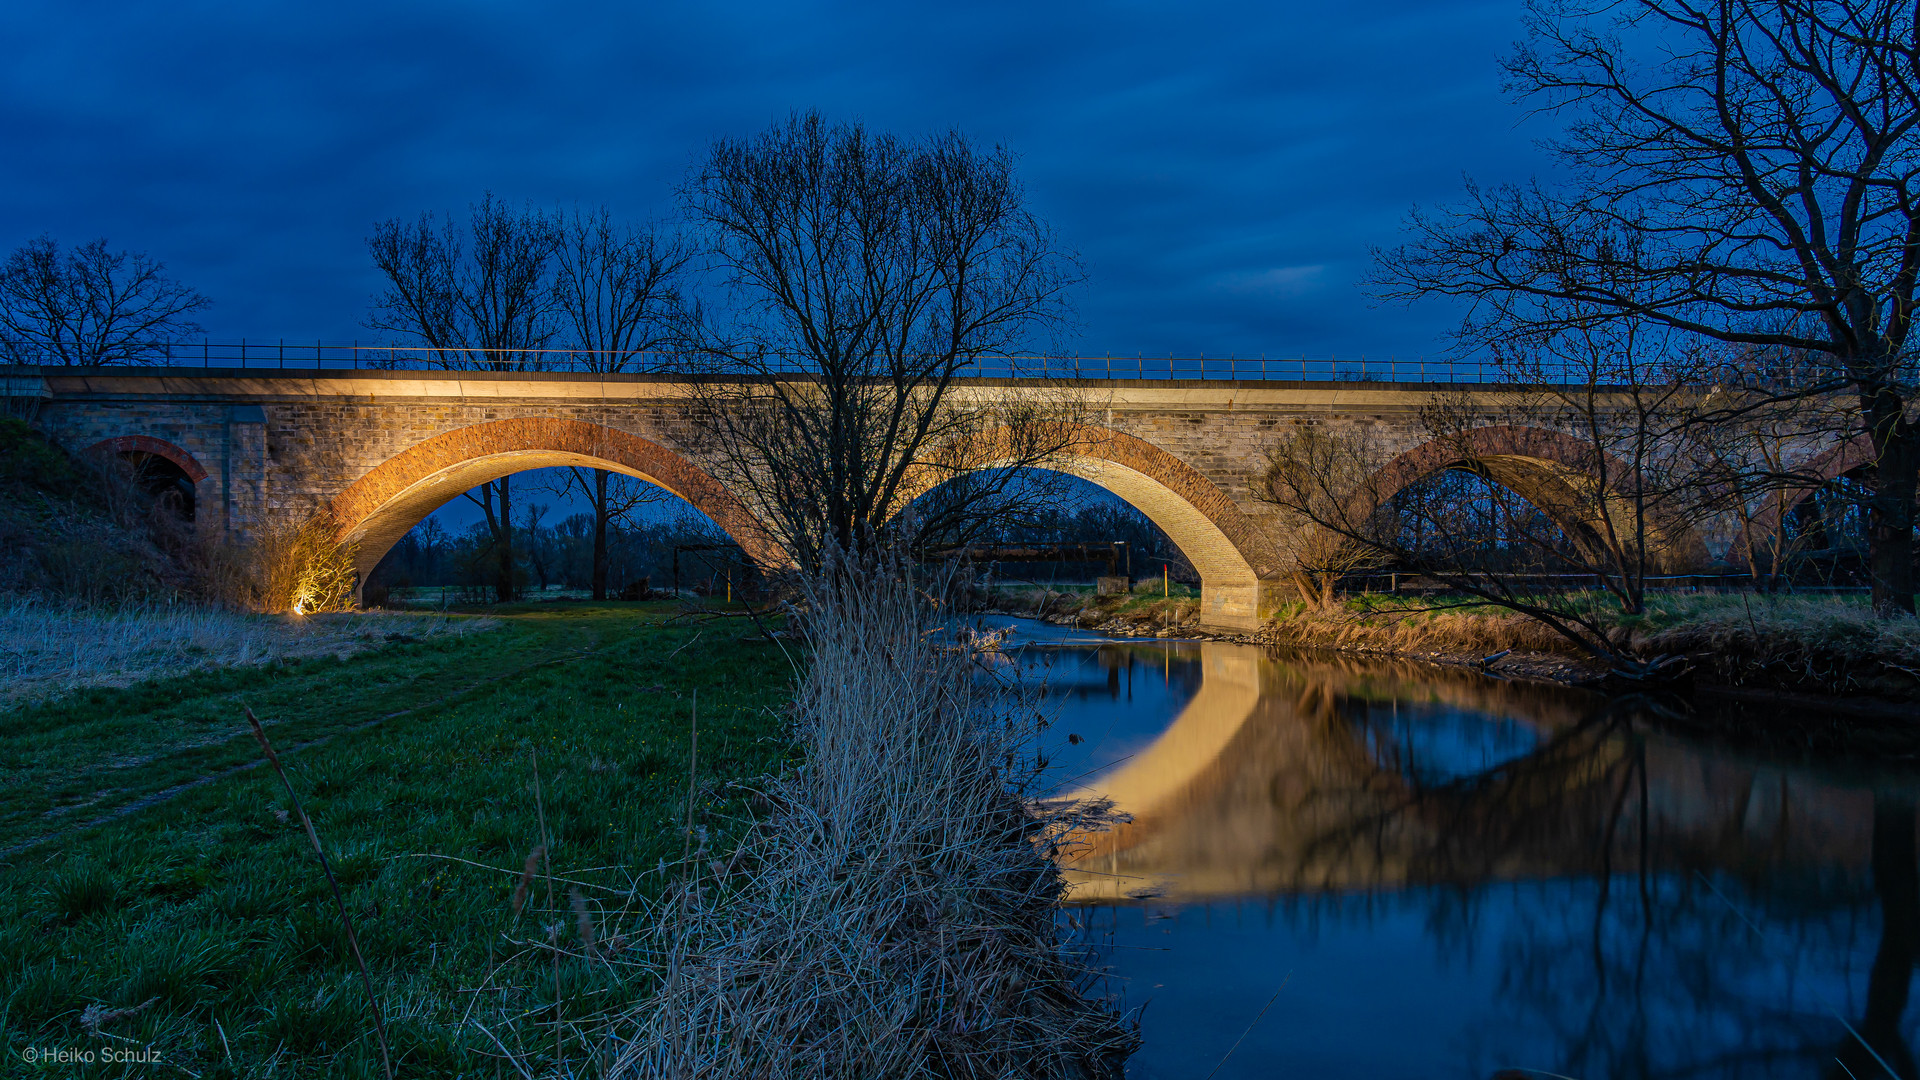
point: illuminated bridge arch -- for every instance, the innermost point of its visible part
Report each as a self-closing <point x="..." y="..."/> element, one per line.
<point x="1228" y="550"/>
<point x="379" y="508"/>
<point x="1550" y="469"/>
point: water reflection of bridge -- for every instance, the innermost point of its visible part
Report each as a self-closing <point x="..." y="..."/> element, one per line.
<point x="1662" y="908"/>
<point x="1315" y="774"/>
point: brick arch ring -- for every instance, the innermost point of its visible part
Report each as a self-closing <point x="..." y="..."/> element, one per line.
<point x="146" y="444"/>
<point x="1221" y="541"/>
<point x="1825" y="467"/>
<point x="376" y="510"/>
<point x="1538" y="464"/>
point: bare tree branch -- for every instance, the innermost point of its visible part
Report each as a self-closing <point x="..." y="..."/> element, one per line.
<point x="90" y="306"/>
<point x="862" y="275"/>
<point x="1753" y="184"/>
<point x="478" y="297"/>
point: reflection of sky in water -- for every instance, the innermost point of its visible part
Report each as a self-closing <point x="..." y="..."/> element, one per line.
<point x="1116" y="697"/>
<point x="1431" y="742"/>
<point x="1432" y="984"/>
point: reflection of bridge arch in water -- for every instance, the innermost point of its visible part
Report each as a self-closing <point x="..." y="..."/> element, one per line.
<point x="1273" y="735"/>
<point x="1281" y="791"/>
<point x="1229" y="691"/>
<point x="1642" y="898"/>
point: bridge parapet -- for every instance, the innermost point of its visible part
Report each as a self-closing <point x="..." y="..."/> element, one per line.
<point x="284" y="355"/>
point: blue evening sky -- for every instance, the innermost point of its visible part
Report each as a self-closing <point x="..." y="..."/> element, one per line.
<point x="1222" y="168"/>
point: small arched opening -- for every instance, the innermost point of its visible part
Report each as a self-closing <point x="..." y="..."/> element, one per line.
<point x="165" y="472"/>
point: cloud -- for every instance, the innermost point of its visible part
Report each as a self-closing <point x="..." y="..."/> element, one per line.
<point x="1281" y="281"/>
<point x="1223" y="168"/>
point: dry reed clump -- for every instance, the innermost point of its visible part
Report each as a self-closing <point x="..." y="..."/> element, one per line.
<point x="1827" y="645"/>
<point x="1475" y="630"/>
<point x="299" y="566"/>
<point x="48" y="649"/>
<point x="895" y="913"/>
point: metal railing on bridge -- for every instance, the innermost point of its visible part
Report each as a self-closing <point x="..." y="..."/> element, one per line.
<point x="1413" y="582"/>
<point x="291" y="355"/>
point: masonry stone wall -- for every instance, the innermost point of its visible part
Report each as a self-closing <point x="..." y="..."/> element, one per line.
<point x="1191" y="455"/>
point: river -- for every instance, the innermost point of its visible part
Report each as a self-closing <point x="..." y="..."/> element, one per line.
<point x="1367" y="868"/>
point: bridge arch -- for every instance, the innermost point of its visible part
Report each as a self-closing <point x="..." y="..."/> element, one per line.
<point x="1230" y="552"/>
<point x="1823" y="468"/>
<point x="377" y="509"/>
<point x="1539" y="465"/>
<point x="1550" y="469"/>
<point x="166" y="471"/>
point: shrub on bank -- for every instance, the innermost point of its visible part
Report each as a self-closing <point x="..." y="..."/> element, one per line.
<point x="1136" y="612"/>
<point x="78" y="530"/>
<point x="895" y="914"/>
<point x="1824" y="644"/>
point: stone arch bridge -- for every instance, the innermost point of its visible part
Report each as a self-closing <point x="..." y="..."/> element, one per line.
<point x="385" y="448"/>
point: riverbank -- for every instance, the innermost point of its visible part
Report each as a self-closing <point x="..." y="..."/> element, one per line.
<point x="896" y="911"/>
<point x="1828" y="646"/>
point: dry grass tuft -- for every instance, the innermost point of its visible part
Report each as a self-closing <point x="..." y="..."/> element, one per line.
<point x="1134" y="612"/>
<point x="1816" y="644"/>
<point x="1483" y="630"/>
<point x="48" y="649"/>
<point x="1830" y="645"/>
<point x="895" y="914"/>
<point x="297" y="566"/>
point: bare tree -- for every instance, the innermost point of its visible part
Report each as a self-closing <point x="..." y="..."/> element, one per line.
<point x="613" y="497"/>
<point x="1625" y="393"/>
<point x="1743" y="170"/>
<point x="90" y="306"/>
<point x="477" y="297"/>
<point x="1579" y="478"/>
<point x="863" y="275"/>
<point x="1751" y="470"/>
<point x="1319" y="558"/>
<point x="539" y="547"/>
<point x="617" y="288"/>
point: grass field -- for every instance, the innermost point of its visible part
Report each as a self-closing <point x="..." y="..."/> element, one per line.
<point x="47" y="650"/>
<point x="145" y="860"/>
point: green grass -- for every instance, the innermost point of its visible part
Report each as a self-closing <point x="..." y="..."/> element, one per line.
<point x="1144" y="589"/>
<point x="1143" y="607"/>
<point x="211" y="903"/>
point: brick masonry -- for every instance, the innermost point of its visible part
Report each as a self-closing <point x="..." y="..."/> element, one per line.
<point x="383" y="449"/>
